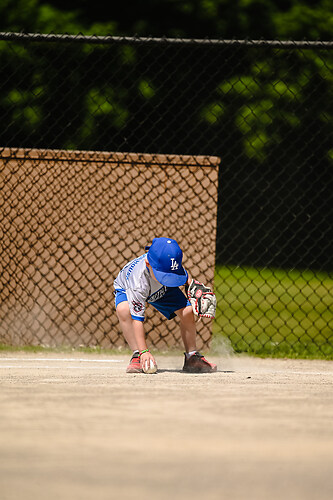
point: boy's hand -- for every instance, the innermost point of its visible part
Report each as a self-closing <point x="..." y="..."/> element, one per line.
<point x="147" y="362"/>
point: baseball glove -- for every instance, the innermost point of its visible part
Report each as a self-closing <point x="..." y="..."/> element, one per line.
<point x="203" y="300"/>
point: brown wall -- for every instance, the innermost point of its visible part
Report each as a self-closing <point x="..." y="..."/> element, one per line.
<point x="69" y="220"/>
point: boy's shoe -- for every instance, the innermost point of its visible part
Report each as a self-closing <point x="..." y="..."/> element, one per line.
<point x="134" y="364"/>
<point x="198" y="364"/>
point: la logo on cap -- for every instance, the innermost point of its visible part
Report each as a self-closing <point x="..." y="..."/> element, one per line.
<point x="174" y="265"/>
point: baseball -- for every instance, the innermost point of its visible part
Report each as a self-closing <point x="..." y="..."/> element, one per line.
<point x="149" y="367"/>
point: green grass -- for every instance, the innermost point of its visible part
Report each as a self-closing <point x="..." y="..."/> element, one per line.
<point x="264" y="312"/>
<point x="275" y="312"/>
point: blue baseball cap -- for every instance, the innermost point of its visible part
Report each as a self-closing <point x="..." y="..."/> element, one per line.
<point x="165" y="257"/>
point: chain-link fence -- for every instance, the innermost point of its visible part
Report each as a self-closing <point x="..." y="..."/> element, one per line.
<point x="71" y="220"/>
<point x="264" y="108"/>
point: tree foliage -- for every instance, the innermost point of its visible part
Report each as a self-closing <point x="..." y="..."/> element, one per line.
<point x="283" y="19"/>
<point x="257" y="109"/>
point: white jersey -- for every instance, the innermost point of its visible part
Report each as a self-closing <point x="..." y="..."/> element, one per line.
<point x="135" y="279"/>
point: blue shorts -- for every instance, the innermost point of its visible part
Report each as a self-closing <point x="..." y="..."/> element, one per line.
<point x="172" y="300"/>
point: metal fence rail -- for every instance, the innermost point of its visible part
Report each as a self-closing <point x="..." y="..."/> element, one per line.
<point x="264" y="107"/>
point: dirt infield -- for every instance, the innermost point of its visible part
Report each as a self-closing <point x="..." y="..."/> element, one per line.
<point x="77" y="427"/>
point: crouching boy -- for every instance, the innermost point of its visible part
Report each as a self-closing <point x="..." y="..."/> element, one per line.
<point x="155" y="278"/>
